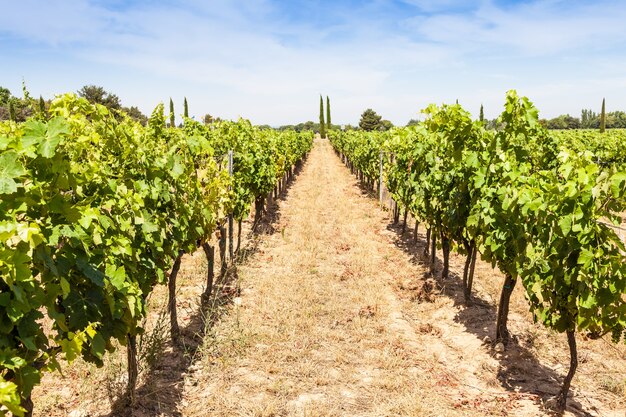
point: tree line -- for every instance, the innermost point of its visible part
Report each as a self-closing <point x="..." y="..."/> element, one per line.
<point x="544" y="207"/>
<point x="96" y="210"/>
<point x="20" y="109"/>
<point x="587" y="120"/>
<point x="369" y="121"/>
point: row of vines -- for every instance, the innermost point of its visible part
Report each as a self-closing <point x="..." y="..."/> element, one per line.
<point x="541" y="206"/>
<point x="96" y="210"/>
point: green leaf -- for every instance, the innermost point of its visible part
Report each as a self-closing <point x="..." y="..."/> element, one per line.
<point x="71" y="347"/>
<point x="585" y="257"/>
<point x="5" y="298"/>
<point x="149" y="227"/>
<point x="178" y="169"/>
<point x="57" y="129"/>
<point x="98" y="345"/>
<point x="47" y="136"/>
<point x="88" y="216"/>
<point x="565" y="224"/>
<point x="10" y="169"/>
<point x="27" y="377"/>
<point x="10" y="398"/>
<point x="34" y="133"/>
<point x="618" y="184"/>
<point x="117" y="276"/>
<point x="587" y="301"/>
<point x="65" y="287"/>
<point x="96" y="276"/>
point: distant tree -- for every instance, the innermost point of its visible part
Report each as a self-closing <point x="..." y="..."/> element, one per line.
<point x="5" y="95"/>
<point x="207" y="119"/>
<point x="12" y="115"/>
<point x="186" y="108"/>
<point x="99" y="95"/>
<point x="322" y="126"/>
<point x="385" y="125"/>
<point x="556" y="123"/>
<point x="136" y="114"/>
<point x="494" y="125"/>
<point x="172" y="116"/>
<point x="14" y="108"/>
<point x="413" y="122"/>
<point x="370" y="120"/>
<point x="42" y="105"/>
<point x="310" y="126"/>
<point x="300" y="127"/>
<point x="564" y="121"/>
<point x="481" y="116"/>
<point x="616" y="120"/>
<point x="43" y="113"/>
<point x="572" y="122"/>
<point x="589" y="119"/>
<point x="603" y="118"/>
<point x="329" y="124"/>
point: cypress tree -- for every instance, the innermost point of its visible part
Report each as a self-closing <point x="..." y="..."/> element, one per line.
<point x="322" y="127"/>
<point x="329" y="124"/>
<point x="186" y="111"/>
<point x="172" y="117"/>
<point x="12" y="115"/>
<point x="481" y="117"/>
<point x="602" y="118"/>
<point x="42" y="106"/>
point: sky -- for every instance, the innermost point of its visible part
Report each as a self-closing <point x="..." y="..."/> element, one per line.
<point x="269" y="60"/>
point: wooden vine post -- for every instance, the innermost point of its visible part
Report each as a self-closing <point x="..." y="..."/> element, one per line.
<point x="380" y="179"/>
<point x="230" y="216"/>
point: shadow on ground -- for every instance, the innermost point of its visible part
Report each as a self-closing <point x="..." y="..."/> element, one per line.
<point x="162" y="390"/>
<point x="519" y="371"/>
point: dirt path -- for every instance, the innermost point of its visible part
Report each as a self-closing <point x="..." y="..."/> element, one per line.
<point x="329" y="324"/>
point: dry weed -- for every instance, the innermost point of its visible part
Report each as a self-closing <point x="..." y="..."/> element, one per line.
<point x="334" y="315"/>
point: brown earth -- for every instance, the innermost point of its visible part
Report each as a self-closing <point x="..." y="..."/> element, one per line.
<point x="334" y="314"/>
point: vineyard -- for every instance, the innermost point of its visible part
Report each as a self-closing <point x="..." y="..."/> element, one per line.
<point x="98" y="211"/>
<point x="543" y="208"/>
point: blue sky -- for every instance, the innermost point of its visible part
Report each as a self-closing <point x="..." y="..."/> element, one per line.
<point x="269" y="60"/>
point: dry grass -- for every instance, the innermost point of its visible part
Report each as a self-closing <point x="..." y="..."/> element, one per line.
<point x="323" y="333"/>
<point x="534" y="364"/>
<point x="335" y="324"/>
<point x="85" y="390"/>
<point x="337" y="317"/>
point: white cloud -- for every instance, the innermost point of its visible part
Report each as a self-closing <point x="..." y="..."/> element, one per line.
<point x="438" y="5"/>
<point x="54" y="21"/>
<point x="534" y="29"/>
<point x="251" y="58"/>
